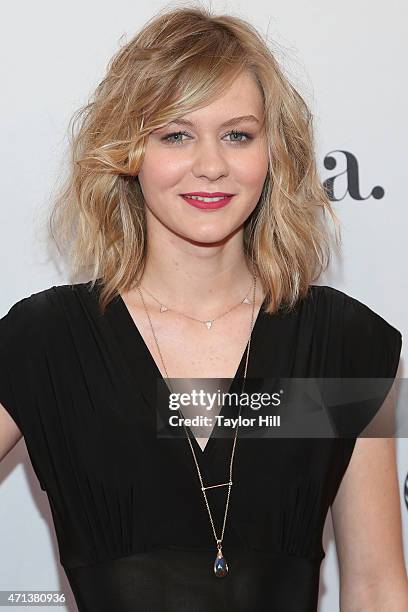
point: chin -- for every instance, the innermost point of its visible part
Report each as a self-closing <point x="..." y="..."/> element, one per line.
<point x="207" y="236"/>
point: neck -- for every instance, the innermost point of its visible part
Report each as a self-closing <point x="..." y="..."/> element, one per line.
<point x="198" y="278"/>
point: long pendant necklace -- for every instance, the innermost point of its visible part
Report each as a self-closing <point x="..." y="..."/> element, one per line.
<point x="220" y="563"/>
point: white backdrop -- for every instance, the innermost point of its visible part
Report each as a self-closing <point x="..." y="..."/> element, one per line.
<point x="346" y="59"/>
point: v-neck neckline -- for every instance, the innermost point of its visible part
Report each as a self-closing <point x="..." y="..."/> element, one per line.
<point x="135" y="336"/>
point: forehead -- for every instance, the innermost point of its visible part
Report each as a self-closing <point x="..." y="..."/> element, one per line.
<point x="242" y="98"/>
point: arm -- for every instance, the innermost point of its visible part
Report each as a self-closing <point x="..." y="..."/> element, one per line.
<point x="10" y="434"/>
<point x="366" y="518"/>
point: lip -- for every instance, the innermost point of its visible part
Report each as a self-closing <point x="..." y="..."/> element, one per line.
<point x="208" y="194"/>
<point x="208" y="205"/>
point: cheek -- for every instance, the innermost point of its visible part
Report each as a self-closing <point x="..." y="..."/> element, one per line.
<point x="250" y="170"/>
<point x="159" y="172"/>
<point x="252" y="177"/>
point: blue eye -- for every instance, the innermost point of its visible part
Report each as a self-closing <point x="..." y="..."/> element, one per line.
<point x="174" y="137"/>
<point x="234" y="133"/>
<point x="168" y="137"/>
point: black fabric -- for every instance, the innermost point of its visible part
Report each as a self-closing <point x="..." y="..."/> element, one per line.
<point x="132" y="527"/>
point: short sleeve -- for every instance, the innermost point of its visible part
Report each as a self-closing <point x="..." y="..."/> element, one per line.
<point x="371" y="349"/>
<point x="13" y="327"/>
<point x="372" y="346"/>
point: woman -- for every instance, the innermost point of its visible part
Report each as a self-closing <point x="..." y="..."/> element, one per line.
<point x="194" y="200"/>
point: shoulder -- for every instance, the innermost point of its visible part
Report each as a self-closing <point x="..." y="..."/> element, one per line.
<point x="32" y="332"/>
<point x="357" y="315"/>
<point x="35" y="314"/>
<point x="370" y="342"/>
<point x="39" y="303"/>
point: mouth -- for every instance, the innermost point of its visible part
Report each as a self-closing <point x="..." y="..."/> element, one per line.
<point x="207" y="201"/>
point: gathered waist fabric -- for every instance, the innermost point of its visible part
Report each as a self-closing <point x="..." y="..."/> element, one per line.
<point x="170" y="579"/>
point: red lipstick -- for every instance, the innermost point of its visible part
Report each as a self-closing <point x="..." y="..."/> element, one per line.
<point x="204" y="199"/>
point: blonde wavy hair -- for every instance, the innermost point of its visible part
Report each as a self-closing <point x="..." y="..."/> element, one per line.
<point x="178" y="62"/>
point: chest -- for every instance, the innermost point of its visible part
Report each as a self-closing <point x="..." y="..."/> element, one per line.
<point x="188" y="349"/>
<point x="185" y="349"/>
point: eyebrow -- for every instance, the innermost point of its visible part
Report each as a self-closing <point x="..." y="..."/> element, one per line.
<point x="226" y="124"/>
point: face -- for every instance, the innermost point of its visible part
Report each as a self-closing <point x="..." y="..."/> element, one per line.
<point x="207" y="155"/>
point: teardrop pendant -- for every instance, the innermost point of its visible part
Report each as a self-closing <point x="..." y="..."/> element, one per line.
<point x="208" y="324"/>
<point x="220" y="564"/>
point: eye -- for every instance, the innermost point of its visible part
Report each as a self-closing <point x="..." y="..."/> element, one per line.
<point x="168" y="138"/>
<point x="175" y="137"/>
<point x="239" y="134"/>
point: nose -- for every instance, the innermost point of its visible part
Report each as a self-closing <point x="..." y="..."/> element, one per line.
<point x="209" y="159"/>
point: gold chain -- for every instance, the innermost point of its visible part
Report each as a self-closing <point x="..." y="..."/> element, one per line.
<point x="207" y="322"/>
<point x="218" y="540"/>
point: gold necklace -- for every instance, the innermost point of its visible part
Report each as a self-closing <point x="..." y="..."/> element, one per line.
<point x="208" y="323"/>
<point x="220" y="563"/>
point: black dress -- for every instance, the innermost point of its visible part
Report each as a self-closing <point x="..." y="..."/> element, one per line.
<point x="132" y="527"/>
